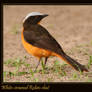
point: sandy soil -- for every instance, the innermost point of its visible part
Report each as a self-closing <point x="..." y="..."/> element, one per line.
<point x="71" y="26"/>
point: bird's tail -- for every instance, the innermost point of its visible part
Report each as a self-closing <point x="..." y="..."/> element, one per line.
<point x="77" y="66"/>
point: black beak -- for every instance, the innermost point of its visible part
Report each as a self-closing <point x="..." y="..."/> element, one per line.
<point x="45" y="15"/>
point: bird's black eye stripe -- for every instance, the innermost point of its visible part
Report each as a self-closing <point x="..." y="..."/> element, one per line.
<point x="32" y="20"/>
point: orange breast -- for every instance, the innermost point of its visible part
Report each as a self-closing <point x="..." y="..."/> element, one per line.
<point x="35" y="51"/>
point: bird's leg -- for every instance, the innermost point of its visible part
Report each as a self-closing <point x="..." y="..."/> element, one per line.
<point x="37" y="65"/>
<point x="46" y="60"/>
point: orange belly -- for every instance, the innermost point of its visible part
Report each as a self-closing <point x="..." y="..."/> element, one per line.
<point x="35" y="51"/>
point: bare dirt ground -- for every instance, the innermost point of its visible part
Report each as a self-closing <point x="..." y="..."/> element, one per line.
<point x="71" y="26"/>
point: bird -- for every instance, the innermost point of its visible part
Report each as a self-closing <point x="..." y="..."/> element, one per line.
<point x="40" y="43"/>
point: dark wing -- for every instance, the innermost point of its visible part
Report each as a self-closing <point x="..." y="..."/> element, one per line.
<point x="40" y="37"/>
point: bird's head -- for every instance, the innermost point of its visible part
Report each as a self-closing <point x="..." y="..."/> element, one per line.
<point x="34" y="18"/>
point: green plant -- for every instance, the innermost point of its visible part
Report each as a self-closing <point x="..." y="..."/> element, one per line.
<point x="22" y="73"/>
<point x="59" y="68"/>
<point x="25" y="57"/>
<point x="43" y="66"/>
<point x="49" y="79"/>
<point x="32" y="73"/>
<point x="63" y="73"/>
<point x="7" y="62"/>
<point x="27" y="65"/>
<point x="17" y="63"/>
<point x="90" y="61"/>
<point x="11" y="74"/>
<point x="89" y="80"/>
<point x="56" y="66"/>
<point x="5" y="75"/>
<point x="36" y="79"/>
<point x="75" y="75"/>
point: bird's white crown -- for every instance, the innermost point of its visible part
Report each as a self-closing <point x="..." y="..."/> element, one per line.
<point x="32" y="14"/>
